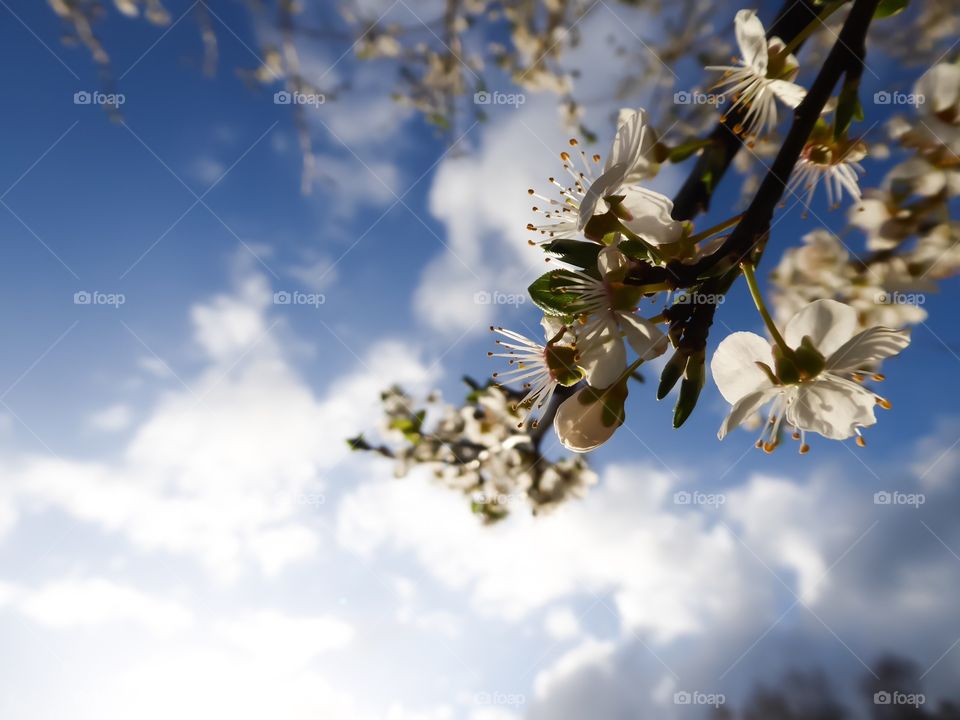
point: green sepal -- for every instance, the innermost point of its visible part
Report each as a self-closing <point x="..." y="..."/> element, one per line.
<point x="693" y="379"/>
<point x="575" y="252"/>
<point x="671" y="374"/>
<point x="547" y="293"/>
<point x="679" y="153"/>
<point x="848" y="109"/>
<point x="889" y="8"/>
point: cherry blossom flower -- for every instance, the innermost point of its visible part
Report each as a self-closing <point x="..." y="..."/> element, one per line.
<point x="816" y="388"/>
<point x="836" y="163"/>
<point x="764" y="75"/>
<point x="606" y="316"/>
<point x="541" y="368"/>
<point x="631" y="159"/>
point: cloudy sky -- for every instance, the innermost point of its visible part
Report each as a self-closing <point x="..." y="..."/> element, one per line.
<point x="183" y="533"/>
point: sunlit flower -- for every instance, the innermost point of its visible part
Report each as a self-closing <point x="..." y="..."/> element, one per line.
<point x="764" y="75"/>
<point x="631" y="158"/>
<point x="836" y="163"/>
<point x="885" y="224"/>
<point x="814" y="389"/>
<point x="937" y="129"/>
<point x="606" y="310"/>
<point x="540" y="368"/>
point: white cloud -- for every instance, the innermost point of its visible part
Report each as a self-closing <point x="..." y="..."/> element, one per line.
<point x="218" y="471"/>
<point x="97" y="601"/>
<point x="281" y="640"/>
<point x="668" y="574"/>
<point x="562" y="624"/>
<point x="113" y="418"/>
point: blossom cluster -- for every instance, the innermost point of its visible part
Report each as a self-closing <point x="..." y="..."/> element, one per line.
<point x="622" y="252"/>
<point x="481" y="449"/>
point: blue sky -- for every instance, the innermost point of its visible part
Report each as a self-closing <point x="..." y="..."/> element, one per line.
<point x="182" y="532"/>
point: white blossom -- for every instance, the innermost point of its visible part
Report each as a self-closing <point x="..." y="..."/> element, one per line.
<point x="764" y="75"/>
<point x="816" y="389"/>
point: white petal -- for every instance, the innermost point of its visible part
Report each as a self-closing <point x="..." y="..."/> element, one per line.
<point x="651" y="215"/>
<point x="868" y="347"/>
<point x="610" y="260"/>
<point x="752" y="40"/>
<point x="832" y="407"/>
<point x="632" y="144"/>
<point x="828" y="323"/>
<point x="603" y="356"/>
<point x="734" y="365"/>
<point x="608" y="183"/>
<point x="646" y="339"/>
<point x="744" y="408"/>
<point x="940" y="87"/>
<point x="790" y="94"/>
<point x="580" y="427"/>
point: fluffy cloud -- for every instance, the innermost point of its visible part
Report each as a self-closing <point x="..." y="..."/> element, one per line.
<point x="96" y="601"/>
<point x="218" y="469"/>
<point x="785" y="574"/>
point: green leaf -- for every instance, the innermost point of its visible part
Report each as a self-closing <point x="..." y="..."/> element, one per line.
<point x="848" y="108"/>
<point x="575" y="252"/>
<point x="547" y="292"/>
<point x="681" y="152"/>
<point x="636" y="250"/>
<point x="359" y="443"/>
<point x="889" y="8"/>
